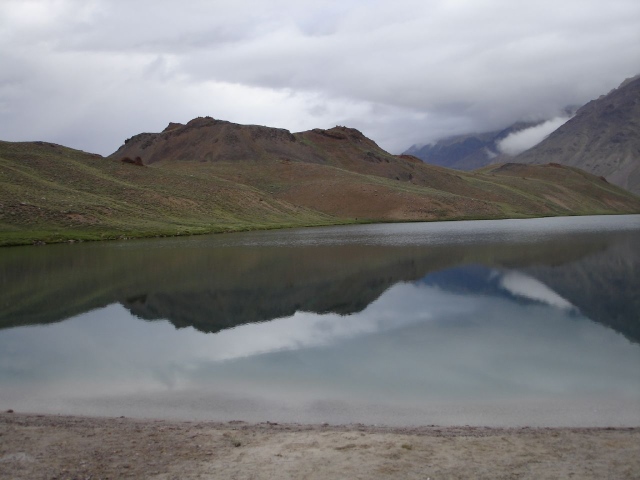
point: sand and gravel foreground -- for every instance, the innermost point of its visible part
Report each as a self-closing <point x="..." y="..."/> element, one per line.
<point x="59" y="447"/>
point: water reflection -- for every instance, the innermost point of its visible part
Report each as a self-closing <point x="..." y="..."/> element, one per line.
<point x="213" y="283"/>
<point x="480" y="333"/>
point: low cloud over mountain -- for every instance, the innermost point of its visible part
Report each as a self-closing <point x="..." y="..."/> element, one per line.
<point x="518" y="142"/>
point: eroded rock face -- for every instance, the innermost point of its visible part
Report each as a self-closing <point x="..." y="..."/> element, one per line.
<point x="209" y="140"/>
<point x="206" y="139"/>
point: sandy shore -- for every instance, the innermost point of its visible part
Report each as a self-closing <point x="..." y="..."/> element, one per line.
<point x="62" y="447"/>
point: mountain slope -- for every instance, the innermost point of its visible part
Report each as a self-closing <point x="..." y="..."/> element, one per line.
<point x="603" y="138"/>
<point x="53" y="193"/>
<point x="341" y="172"/>
<point x="211" y="175"/>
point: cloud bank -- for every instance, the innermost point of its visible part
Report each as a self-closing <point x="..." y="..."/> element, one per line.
<point x="90" y="73"/>
<point x="518" y="142"/>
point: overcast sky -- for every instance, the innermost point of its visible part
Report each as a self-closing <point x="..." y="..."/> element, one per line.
<point x="91" y="73"/>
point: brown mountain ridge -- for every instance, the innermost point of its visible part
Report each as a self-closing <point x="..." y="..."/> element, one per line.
<point x="205" y="139"/>
<point x="216" y="176"/>
<point x="315" y="168"/>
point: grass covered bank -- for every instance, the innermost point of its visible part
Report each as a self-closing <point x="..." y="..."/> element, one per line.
<point x="50" y="193"/>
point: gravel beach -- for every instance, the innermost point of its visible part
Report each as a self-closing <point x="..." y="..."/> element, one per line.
<point x="65" y="447"/>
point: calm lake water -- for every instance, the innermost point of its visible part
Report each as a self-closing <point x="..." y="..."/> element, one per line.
<point x="501" y="323"/>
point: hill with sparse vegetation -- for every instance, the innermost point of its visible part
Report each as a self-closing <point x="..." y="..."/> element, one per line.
<point x="215" y="176"/>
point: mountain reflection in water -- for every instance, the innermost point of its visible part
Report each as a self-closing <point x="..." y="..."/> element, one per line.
<point x="191" y="283"/>
<point x="333" y="330"/>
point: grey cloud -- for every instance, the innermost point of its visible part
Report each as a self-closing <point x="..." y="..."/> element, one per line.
<point x="402" y="72"/>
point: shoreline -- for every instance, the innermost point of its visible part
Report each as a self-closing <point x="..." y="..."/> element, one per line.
<point x="21" y="239"/>
<point x="56" y="446"/>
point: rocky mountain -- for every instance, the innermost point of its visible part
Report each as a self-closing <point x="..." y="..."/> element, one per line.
<point x="316" y="168"/>
<point x="213" y="141"/>
<point x="603" y="138"/>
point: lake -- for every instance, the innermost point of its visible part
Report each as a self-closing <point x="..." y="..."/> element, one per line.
<point x="499" y="323"/>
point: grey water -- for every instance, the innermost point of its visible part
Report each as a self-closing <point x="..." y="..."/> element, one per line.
<point x="499" y="323"/>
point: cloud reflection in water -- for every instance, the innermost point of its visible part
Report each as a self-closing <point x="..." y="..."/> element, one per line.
<point x="444" y="340"/>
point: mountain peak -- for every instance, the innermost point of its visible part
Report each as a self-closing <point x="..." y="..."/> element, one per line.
<point x="200" y="122"/>
<point x="172" y="126"/>
<point x="204" y="139"/>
